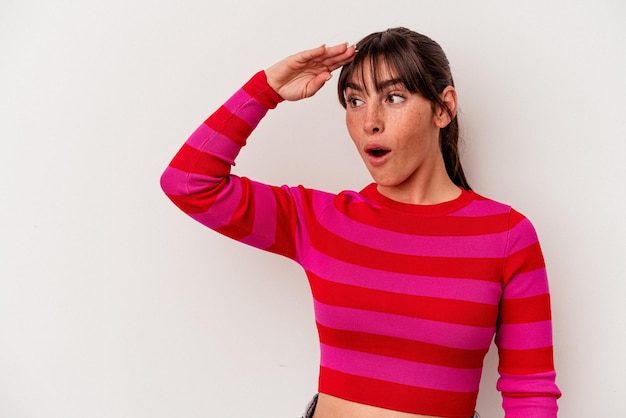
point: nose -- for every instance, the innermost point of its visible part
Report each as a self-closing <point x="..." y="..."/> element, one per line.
<point x="373" y="119"/>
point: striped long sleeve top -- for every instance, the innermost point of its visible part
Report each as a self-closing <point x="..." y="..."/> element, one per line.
<point x="407" y="298"/>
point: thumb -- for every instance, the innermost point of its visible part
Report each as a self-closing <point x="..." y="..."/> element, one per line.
<point x="317" y="83"/>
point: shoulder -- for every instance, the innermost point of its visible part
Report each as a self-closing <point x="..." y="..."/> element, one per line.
<point x="324" y="203"/>
<point x="515" y="222"/>
<point x="479" y="205"/>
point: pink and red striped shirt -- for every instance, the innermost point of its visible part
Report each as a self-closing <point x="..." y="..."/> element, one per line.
<point x="407" y="298"/>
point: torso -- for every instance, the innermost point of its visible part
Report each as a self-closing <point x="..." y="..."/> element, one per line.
<point x="332" y="407"/>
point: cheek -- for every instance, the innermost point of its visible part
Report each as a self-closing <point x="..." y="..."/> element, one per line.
<point x="351" y="124"/>
<point x="415" y="128"/>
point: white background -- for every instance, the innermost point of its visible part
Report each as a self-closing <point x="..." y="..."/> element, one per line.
<point x="115" y="304"/>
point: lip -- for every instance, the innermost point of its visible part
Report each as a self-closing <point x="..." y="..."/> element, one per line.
<point x="377" y="160"/>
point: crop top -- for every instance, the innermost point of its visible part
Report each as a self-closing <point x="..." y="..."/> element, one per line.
<point x="407" y="298"/>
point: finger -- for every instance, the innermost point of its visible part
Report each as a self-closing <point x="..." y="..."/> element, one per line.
<point x="323" y="53"/>
<point x="310" y="54"/>
<point x="337" y="49"/>
<point x="337" y="61"/>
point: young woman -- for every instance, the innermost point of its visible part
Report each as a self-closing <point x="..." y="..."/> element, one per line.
<point x="412" y="276"/>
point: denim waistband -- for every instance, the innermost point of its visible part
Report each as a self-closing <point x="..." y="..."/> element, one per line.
<point x="310" y="408"/>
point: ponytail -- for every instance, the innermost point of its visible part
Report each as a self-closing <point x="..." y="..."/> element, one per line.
<point x="449" y="143"/>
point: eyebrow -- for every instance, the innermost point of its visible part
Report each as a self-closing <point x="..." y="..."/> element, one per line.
<point x="380" y="86"/>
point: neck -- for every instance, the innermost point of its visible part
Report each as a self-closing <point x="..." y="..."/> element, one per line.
<point x="423" y="190"/>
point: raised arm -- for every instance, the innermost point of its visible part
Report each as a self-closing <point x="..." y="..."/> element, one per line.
<point x="198" y="179"/>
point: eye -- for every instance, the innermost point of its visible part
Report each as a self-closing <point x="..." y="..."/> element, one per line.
<point x="354" y="102"/>
<point x="395" y="98"/>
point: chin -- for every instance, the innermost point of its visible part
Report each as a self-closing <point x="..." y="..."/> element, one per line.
<point x="386" y="182"/>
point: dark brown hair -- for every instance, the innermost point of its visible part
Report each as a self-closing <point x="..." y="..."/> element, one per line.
<point x="423" y="68"/>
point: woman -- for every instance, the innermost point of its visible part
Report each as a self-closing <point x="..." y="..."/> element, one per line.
<point x="412" y="276"/>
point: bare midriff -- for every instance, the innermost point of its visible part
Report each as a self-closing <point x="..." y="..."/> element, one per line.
<point x="332" y="407"/>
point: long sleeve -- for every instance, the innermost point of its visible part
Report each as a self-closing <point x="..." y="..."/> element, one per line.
<point x="524" y="335"/>
<point x="199" y="182"/>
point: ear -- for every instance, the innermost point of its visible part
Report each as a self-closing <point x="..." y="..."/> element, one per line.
<point x="449" y="98"/>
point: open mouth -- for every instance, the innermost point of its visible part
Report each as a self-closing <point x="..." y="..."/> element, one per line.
<point x="377" y="152"/>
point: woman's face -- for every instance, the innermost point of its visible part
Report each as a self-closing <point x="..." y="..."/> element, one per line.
<point x="395" y="131"/>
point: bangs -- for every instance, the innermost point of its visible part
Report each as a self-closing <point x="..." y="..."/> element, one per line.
<point x="385" y="56"/>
